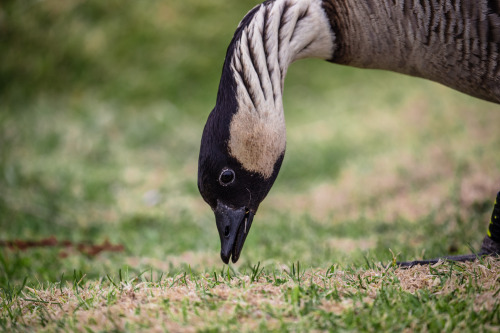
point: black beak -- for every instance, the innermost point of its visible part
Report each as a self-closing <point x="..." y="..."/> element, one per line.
<point x="233" y="225"/>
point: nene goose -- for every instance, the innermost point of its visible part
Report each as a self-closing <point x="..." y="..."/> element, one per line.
<point x="453" y="42"/>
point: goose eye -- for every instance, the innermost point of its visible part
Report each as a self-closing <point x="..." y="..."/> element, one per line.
<point x="226" y="177"/>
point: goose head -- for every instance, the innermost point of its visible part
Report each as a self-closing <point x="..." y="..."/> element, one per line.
<point x="232" y="189"/>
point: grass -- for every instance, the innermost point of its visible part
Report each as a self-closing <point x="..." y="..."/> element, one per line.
<point x="101" y="111"/>
<point x="443" y="297"/>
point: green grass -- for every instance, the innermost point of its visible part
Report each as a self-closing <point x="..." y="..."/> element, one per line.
<point x="447" y="297"/>
<point x="102" y="105"/>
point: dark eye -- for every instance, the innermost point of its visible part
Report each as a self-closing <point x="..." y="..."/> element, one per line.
<point x="226" y="177"/>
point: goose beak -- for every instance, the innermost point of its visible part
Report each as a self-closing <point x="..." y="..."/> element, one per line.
<point x="233" y="225"/>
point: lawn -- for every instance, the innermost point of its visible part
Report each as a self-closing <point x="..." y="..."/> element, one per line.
<point x="102" y="105"/>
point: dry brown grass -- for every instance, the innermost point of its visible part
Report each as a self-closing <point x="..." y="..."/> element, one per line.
<point x="190" y="303"/>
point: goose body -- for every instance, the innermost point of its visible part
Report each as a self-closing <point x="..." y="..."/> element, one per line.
<point x="456" y="43"/>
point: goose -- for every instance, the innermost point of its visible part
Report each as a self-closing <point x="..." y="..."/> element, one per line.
<point x="452" y="42"/>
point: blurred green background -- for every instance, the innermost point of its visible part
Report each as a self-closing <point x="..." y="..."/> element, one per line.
<point x="102" y="104"/>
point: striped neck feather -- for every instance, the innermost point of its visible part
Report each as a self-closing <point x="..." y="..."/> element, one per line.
<point x="271" y="37"/>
